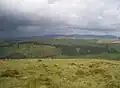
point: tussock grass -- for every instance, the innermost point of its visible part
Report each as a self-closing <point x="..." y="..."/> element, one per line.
<point x="10" y="73"/>
<point x="57" y="73"/>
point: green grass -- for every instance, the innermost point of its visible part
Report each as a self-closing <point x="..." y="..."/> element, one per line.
<point x="108" y="56"/>
<point x="64" y="41"/>
<point x="60" y="73"/>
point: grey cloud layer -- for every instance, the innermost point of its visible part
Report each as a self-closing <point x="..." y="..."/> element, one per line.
<point x="36" y="17"/>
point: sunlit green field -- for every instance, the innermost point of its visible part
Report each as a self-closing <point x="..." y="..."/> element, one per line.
<point x="67" y="73"/>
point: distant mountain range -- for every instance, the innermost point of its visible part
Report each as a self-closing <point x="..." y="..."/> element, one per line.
<point x="92" y="36"/>
<point x="71" y="36"/>
<point x="77" y="36"/>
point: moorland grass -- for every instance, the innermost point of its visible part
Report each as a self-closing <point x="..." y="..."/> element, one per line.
<point x="60" y="73"/>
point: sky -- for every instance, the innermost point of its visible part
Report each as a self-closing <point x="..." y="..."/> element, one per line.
<point x="39" y="17"/>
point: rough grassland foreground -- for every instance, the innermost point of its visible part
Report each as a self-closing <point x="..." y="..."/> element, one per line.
<point x="59" y="74"/>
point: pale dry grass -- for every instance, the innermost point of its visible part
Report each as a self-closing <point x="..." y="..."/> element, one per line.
<point x="68" y="73"/>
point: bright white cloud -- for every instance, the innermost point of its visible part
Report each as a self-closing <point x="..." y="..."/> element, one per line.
<point x="99" y="14"/>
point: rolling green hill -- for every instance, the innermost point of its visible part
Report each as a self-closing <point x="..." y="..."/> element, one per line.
<point x="43" y="47"/>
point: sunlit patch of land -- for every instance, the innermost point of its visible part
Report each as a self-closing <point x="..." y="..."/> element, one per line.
<point x="67" y="73"/>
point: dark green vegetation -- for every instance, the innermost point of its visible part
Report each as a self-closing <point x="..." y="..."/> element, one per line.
<point x="61" y="48"/>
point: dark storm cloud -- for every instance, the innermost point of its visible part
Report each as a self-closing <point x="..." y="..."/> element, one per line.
<point x="34" y="17"/>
